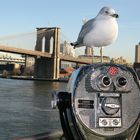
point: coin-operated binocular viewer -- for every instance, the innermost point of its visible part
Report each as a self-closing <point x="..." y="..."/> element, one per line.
<point x="102" y="102"/>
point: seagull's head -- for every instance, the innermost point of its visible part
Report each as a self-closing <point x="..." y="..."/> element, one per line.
<point x="107" y="12"/>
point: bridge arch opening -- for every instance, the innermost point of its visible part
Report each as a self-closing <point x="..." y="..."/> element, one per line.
<point x="43" y="44"/>
<point x="51" y="45"/>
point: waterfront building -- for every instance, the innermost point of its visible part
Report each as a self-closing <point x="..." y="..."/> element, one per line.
<point x="137" y="60"/>
<point x="65" y="64"/>
<point x="95" y="59"/>
<point x="137" y="53"/>
<point x="67" y="49"/>
<point x="65" y="73"/>
<point x="119" y="60"/>
<point x="6" y="58"/>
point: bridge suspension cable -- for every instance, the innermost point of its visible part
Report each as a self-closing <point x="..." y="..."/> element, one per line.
<point x="16" y="35"/>
<point x="64" y="37"/>
<point x="21" y="35"/>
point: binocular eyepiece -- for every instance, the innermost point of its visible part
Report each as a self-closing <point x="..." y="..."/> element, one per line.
<point x="106" y="81"/>
<point x="122" y="81"/>
<point x="102" y="102"/>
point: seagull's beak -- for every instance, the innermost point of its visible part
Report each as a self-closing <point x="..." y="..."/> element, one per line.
<point x="115" y="15"/>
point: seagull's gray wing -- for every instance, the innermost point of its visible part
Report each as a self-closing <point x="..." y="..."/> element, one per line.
<point x="84" y="30"/>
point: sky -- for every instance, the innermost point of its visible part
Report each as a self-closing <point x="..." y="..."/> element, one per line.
<point x="21" y="16"/>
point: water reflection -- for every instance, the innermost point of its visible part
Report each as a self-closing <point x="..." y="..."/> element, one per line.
<point x="26" y="109"/>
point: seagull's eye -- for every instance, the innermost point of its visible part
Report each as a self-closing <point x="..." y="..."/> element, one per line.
<point x="106" y="12"/>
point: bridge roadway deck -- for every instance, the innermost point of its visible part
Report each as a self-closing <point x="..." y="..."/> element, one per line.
<point x="12" y="49"/>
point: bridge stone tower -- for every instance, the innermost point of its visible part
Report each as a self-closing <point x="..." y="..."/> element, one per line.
<point x="48" y="41"/>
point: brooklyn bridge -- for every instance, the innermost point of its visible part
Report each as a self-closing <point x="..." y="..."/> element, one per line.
<point x="46" y="53"/>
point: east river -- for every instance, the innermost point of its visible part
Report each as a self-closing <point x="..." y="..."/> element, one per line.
<point x="25" y="108"/>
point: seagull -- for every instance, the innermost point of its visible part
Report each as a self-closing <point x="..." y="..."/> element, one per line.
<point x="100" y="31"/>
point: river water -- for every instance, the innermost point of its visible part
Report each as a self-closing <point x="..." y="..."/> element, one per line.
<point x="25" y="108"/>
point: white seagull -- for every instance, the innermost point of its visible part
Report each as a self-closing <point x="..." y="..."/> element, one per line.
<point x="100" y="31"/>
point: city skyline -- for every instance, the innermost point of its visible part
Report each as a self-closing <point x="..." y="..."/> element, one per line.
<point x="18" y="17"/>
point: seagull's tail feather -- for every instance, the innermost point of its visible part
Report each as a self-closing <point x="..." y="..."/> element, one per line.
<point x="75" y="44"/>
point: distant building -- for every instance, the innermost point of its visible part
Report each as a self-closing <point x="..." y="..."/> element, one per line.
<point x="5" y="58"/>
<point x="66" y="72"/>
<point x="119" y="60"/>
<point x="137" y="53"/>
<point x="137" y="60"/>
<point x="67" y="49"/>
<point x="95" y="59"/>
<point x="10" y="69"/>
<point x="65" y="64"/>
<point x="30" y="61"/>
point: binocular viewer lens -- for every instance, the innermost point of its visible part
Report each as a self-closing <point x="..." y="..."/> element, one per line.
<point x="106" y="81"/>
<point x="122" y="81"/>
